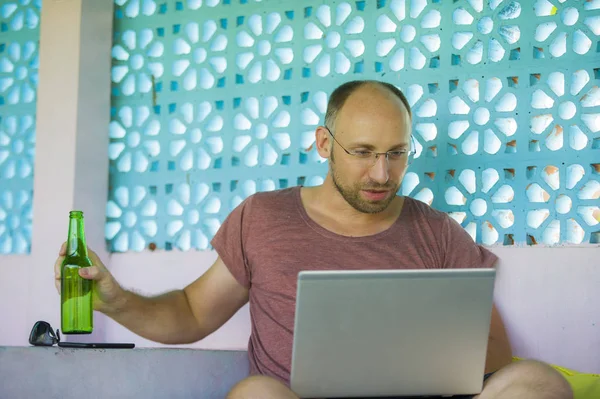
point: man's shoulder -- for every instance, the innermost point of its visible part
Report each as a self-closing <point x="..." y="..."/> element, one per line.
<point x="419" y="209"/>
<point x="273" y="200"/>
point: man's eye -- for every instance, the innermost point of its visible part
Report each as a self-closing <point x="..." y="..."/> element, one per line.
<point x="396" y="154"/>
<point x="362" y="154"/>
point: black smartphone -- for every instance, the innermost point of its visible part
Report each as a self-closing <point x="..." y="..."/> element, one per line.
<point x="90" y="345"/>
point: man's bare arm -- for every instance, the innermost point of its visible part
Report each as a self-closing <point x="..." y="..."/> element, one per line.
<point x="177" y="317"/>
<point x="183" y="316"/>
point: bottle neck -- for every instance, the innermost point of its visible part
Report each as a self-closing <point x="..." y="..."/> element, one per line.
<point x="76" y="245"/>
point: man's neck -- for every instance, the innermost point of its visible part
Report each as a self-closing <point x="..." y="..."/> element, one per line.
<point x="328" y="208"/>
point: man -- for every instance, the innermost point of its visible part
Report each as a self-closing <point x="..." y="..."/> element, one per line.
<point x="353" y="219"/>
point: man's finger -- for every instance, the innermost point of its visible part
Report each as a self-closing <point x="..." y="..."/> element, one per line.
<point x="91" y="273"/>
<point x="94" y="257"/>
<point x="57" y="284"/>
<point x="63" y="249"/>
<point x="57" y="265"/>
<point x="96" y="261"/>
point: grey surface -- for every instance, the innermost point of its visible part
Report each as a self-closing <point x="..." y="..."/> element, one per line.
<point x="43" y="372"/>
<point x="412" y="332"/>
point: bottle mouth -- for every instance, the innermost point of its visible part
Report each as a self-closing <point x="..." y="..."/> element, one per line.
<point x="76" y="214"/>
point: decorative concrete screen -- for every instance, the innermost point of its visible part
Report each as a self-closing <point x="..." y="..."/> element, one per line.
<point x="19" y="58"/>
<point x="216" y="100"/>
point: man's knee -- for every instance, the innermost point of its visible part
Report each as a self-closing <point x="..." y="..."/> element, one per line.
<point x="548" y="377"/>
<point x="260" y="387"/>
<point x="530" y="377"/>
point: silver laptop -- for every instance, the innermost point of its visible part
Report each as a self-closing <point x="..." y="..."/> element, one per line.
<point x="391" y="332"/>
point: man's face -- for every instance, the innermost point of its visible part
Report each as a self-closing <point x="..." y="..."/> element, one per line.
<point x="372" y="119"/>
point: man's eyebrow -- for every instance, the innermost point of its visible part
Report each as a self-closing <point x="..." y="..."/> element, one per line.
<point x="371" y="147"/>
<point x="401" y="145"/>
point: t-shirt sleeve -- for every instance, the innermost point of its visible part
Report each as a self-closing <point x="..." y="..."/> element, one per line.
<point x="230" y="241"/>
<point x="460" y="251"/>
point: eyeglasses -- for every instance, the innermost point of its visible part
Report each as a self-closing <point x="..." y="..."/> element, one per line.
<point x="369" y="158"/>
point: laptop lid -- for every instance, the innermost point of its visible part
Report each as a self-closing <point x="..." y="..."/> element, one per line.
<point x="391" y="332"/>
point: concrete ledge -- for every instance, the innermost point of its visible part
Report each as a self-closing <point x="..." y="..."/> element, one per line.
<point x="52" y="372"/>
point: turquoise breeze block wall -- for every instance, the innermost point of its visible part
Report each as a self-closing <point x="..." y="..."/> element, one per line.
<point x="19" y="60"/>
<point x="215" y="100"/>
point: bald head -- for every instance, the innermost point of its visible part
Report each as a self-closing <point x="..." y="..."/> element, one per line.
<point x="369" y="115"/>
<point x="376" y="90"/>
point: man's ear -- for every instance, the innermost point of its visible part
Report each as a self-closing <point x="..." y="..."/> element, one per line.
<point x="323" y="142"/>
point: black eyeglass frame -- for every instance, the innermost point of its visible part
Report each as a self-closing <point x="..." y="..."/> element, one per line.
<point x="410" y="153"/>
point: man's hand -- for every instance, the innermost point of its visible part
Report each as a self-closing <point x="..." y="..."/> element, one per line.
<point x="107" y="292"/>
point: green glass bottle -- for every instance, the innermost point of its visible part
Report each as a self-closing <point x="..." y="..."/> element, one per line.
<point x="76" y="292"/>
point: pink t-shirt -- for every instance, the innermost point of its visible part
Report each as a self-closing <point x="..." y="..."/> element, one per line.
<point x="269" y="238"/>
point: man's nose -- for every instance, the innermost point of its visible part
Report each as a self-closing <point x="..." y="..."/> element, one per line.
<point x="380" y="171"/>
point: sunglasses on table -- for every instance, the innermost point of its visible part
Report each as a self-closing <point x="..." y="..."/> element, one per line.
<point x="42" y="334"/>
